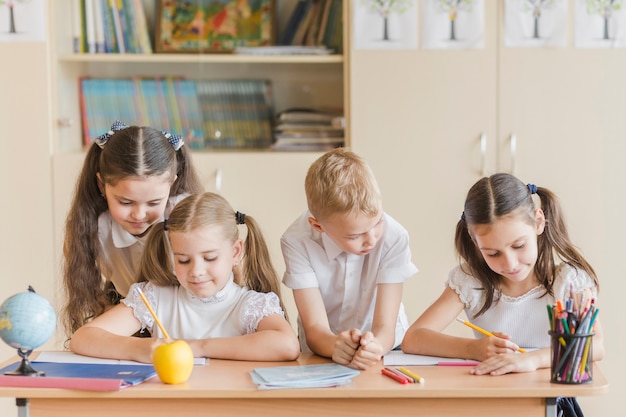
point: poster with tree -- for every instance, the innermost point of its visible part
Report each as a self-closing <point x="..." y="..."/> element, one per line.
<point x="384" y="24"/>
<point x="452" y="24"/>
<point x="22" y="20"/>
<point x="535" y="23"/>
<point x="600" y="24"/>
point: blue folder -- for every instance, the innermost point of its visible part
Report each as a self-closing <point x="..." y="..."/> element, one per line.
<point x="85" y="376"/>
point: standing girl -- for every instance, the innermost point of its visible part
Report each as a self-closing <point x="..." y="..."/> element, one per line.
<point x="187" y="277"/>
<point x="516" y="258"/>
<point x="131" y="176"/>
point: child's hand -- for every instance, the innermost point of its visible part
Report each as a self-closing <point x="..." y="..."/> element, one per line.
<point x="506" y="363"/>
<point x="369" y="352"/>
<point x="346" y="345"/>
<point x="499" y="344"/>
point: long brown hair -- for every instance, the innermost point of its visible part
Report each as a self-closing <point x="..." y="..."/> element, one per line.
<point x="505" y="195"/>
<point x="133" y="151"/>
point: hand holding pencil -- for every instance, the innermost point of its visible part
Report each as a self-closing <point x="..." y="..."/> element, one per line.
<point x="483" y="331"/>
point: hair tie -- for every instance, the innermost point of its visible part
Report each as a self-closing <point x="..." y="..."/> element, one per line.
<point x="532" y="188"/>
<point x="175" y="140"/>
<point x="463" y="217"/>
<point x="165" y="225"/>
<point x="115" y="127"/>
<point x="241" y="218"/>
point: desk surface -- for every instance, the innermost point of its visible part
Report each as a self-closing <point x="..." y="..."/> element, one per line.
<point x="224" y="388"/>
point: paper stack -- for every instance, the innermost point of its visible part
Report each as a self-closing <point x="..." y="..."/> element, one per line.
<point x="304" y="376"/>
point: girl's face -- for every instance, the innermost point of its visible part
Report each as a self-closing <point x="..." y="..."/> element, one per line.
<point x="136" y="203"/>
<point x="204" y="259"/>
<point x="357" y="234"/>
<point x="509" y="246"/>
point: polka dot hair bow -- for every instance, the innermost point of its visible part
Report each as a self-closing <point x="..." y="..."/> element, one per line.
<point x="115" y="127"/>
<point x="175" y="140"/>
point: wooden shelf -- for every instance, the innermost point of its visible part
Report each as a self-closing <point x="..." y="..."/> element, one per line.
<point x="204" y="58"/>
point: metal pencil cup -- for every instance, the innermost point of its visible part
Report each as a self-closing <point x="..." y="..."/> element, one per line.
<point x="571" y="358"/>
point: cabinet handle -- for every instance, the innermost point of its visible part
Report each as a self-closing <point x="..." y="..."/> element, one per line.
<point x="483" y="154"/>
<point x="218" y="180"/>
<point x="513" y="146"/>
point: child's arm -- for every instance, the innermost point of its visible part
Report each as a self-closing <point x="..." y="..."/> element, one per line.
<point x="274" y="340"/>
<point x="320" y="339"/>
<point x="425" y="336"/>
<point x="374" y="344"/>
<point x="110" y="336"/>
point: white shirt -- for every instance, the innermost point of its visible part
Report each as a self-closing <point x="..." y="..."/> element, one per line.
<point x="524" y="318"/>
<point x="348" y="283"/>
<point x="121" y="252"/>
<point x="232" y="311"/>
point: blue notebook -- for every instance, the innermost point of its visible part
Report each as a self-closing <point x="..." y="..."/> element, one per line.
<point x="81" y="376"/>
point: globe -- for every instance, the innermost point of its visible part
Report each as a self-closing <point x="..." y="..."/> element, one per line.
<point x="27" y="321"/>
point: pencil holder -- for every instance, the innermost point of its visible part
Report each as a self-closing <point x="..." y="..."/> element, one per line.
<point x="571" y="356"/>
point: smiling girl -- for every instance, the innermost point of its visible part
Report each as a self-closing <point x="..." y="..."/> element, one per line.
<point x="516" y="258"/>
<point x="187" y="275"/>
<point x="131" y="177"/>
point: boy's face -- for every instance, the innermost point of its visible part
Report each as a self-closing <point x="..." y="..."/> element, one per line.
<point x="354" y="233"/>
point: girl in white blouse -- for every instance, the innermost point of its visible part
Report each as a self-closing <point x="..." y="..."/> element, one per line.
<point x="516" y="258"/>
<point x="192" y="277"/>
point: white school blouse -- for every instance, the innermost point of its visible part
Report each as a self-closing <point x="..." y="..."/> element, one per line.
<point x="121" y="252"/>
<point x="348" y="283"/>
<point x="524" y="318"/>
<point x="232" y="311"/>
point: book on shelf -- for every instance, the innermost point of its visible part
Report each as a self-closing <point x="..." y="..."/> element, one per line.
<point x="315" y="23"/>
<point x="237" y="113"/>
<point x="283" y="50"/>
<point x="110" y="26"/>
<point x="308" y="129"/>
<point x="211" y="113"/>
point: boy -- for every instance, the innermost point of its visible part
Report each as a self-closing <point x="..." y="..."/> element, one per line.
<point x="346" y="262"/>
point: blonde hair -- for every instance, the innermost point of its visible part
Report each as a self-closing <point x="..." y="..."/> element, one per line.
<point x="209" y="209"/>
<point x="341" y="182"/>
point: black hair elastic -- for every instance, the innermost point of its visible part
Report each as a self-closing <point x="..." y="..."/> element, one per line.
<point x="165" y="225"/>
<point x="241" y="218"/>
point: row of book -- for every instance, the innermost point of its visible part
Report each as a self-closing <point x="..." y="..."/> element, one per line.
<point x="207" y="113"/>
<point x="110" y="26"/>
<point x="315" y="23"/>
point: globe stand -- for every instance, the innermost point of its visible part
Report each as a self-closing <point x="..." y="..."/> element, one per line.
<point x="25" y="369"/>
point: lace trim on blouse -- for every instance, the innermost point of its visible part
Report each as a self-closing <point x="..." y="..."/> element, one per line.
<point x="140" y="311"/>
<point x="256" y="308"/>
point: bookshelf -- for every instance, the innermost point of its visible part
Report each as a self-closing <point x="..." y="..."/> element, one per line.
<point x="297" y="80"/>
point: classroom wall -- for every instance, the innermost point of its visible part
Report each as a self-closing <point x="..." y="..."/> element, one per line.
<point x="25" y="212"/>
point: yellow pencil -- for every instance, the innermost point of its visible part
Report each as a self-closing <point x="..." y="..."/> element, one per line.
<point x="483" y="331"/>
<point x="416" y="377"/>
<point x="156" y="319"/>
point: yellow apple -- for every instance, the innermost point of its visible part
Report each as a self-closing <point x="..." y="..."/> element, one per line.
<point x="173" y="361"/>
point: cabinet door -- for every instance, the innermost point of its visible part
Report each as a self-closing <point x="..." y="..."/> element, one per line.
<point x="417" y="117"/>
<point x="562" y="107"/>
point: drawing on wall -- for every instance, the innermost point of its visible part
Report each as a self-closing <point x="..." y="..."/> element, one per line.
<point x="535" y="23"/>
<point x="452" y="24"/>
<point x="22" y="20"/>
<point x="384" y="24"/>
<point x="600" y="24"/>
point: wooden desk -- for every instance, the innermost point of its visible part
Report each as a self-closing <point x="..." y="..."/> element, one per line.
<point x="224" y="388"/>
